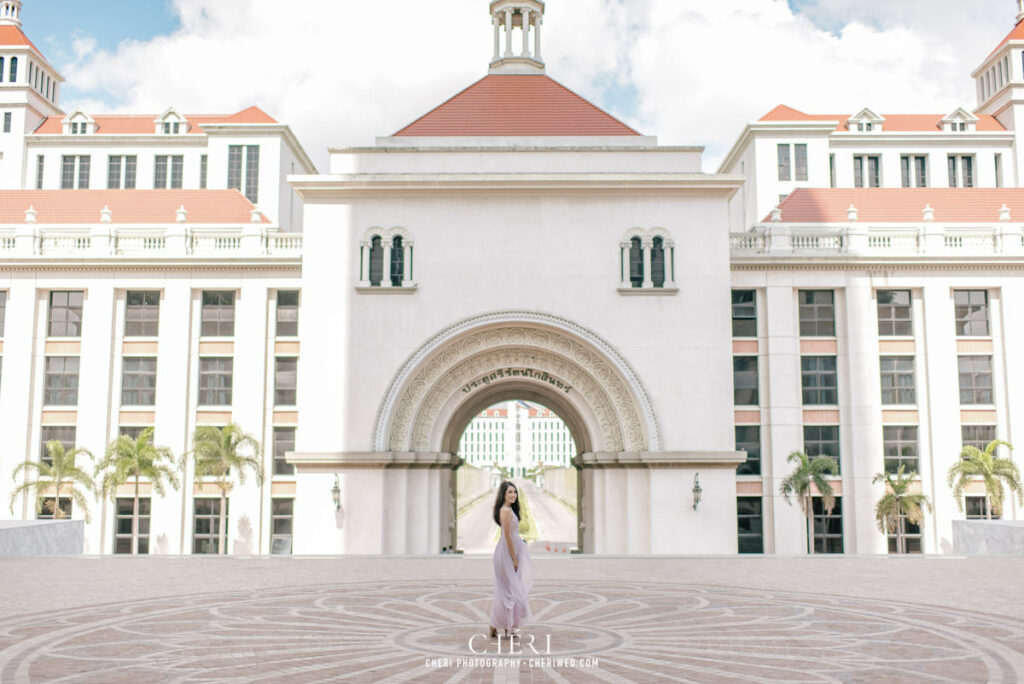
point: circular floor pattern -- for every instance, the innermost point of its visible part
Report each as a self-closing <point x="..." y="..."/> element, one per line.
<point x="581" y="632"/>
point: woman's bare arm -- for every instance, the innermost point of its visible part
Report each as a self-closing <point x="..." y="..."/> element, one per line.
<point x="506" y="532"/>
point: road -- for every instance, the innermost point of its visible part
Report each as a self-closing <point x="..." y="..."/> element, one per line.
<point x="556" y="524"/>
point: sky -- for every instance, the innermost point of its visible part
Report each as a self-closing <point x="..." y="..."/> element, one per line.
<point x="692" y="72"/>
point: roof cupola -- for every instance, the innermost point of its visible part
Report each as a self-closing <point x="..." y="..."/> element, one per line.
<point x="527" y="16"/>
<point x="10" y="13"/>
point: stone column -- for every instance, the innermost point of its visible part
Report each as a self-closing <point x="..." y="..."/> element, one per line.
<point x="508" y="33"/>
<point x="670" y="263"/>
<point x="386" y="278"/>
<point x="646" y="244"/>
<point x="364" y="257"/>
<point x="536" y="37"/>
<point x="407" y="264"/>
<point x="526" y="32"/>
<point x="497" y="37"/>
<point x="624" y="264"/>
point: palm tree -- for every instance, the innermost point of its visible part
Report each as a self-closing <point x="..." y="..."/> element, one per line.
<point x="810" y="471"/>
<point x="992" y="470"/>
<point x="131" y="459"/>
<point x="217" y="453"/>
<point x="60" y="473"/>
<point x="899" y="504"/>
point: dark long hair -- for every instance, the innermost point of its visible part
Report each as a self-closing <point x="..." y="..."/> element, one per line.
<point x="500" y="501"/>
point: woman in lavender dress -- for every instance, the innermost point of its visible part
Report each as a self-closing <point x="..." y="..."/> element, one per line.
<point x="513" y="570"/>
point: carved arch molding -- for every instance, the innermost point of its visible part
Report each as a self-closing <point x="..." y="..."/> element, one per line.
<point x="489" y="349"/>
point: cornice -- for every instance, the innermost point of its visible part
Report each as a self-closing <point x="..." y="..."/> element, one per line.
<point x="116" y="264"/>
<point x="921" y="264"/>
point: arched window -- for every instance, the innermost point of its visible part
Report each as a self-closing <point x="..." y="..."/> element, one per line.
<point x="397" y="262"/>
<point x="636" y="263"/>
<point x="658" y="262"/>
<point x="14" y="70"/>
<point x="376" y="261"/>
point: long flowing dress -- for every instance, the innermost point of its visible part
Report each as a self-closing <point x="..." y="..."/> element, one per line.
<point x="511" y="587"/>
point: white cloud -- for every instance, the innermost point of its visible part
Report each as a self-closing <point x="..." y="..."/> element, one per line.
<point x="343" y="72"/>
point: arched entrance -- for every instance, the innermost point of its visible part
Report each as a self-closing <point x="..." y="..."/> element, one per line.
<point x="521" y="355"/>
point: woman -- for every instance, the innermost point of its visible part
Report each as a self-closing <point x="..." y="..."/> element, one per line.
<point x="513" y="571"/>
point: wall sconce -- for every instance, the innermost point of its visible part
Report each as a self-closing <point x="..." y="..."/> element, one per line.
<point x="336" y="494"/>
<point x="696" y="490"/>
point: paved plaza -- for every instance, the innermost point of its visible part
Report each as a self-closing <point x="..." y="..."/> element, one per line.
<point x="610" y="619"/>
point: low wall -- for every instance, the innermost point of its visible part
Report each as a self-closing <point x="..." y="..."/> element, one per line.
<point x="42" y="537"/>
<point x="473" y="483"/>
<point x="988" y="537"/>
<point x="560" y="482"/>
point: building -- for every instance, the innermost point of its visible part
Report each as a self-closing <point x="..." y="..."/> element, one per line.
<point x="519" y="437"/>
<point x="854" y="276"/>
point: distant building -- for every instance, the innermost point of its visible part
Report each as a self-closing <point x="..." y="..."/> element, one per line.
<point x="519" y="437"/>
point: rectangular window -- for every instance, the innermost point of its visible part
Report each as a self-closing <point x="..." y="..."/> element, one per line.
<point x="40" y="166"/>
<point x="817" y="313"/>
<point x="287" y="313"/>
<point x="46" y="513"/>
<point x="121" y="172"/>
<point x="895" y="316"/>
<point x="244" y="170"/>
<point x="7" y="122"/>
<point x="281" y="511"/>
<point x="898" y="386"/>
<point x="167" y="172"/>
<point x="911" y="537"/>
<point x="977" y="436"/>
<point x="65" y="314"/>
<point x="800" y="161"/>
<point x="832" y="170"/>
<point x="284" y="380"/>
<point x="823" y="440"/>
<point x="125" y="507"/>
<point x="215" y="376"/>
<point x="818" y="380"/>
<point x="999" y="170"/>
<point x="976" y="508"/>
<point x="206" y="525"/>
<point x="74" y="168"/>
<point x="750" y="524"/>
<point x="961" y="170"/>
<point x="828" y="526"/>
<point x="975" y="379"/>
<point x="138" y="381"/>
<point x="132" y="431"/>
<point x="114" y="172"/>
<point x="142" y="313"/>
<point x="785" y="172"/>
<point x="203" y="164"/>
<point x="867" y="171"/>
<point x="3" y="311"/>
<point x="744" y="313"/>
<point x="83" y="172"/>
<point x="65" y="434"/>
<point x="61" y="384"/>
<point x="899" y="447"/>
<point x="218" y="314"/>
<point x="913" y="171"/>
<point x="970" y="311"/>
<point x="744" y="380"/>
<point x="284" y="441"/>
<point x="160" y="172"/>
<point x="748" y="438"/>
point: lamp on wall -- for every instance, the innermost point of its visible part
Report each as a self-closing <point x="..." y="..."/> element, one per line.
<point x="336" y="494"/>
<point x="696" y="490"/>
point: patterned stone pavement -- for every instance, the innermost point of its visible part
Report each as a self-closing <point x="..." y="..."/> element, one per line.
<point x="588" y="628"/>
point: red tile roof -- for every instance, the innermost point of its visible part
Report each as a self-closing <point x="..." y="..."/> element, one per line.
<point x="1016" y="33"/>
<point x="128" y="206"/>
<point x="12" y="35"/>
<point x="516" y="105"/>
<point x="895" y="123"/>
<point x="142" y="124"/>
<point x="901" y="205"/>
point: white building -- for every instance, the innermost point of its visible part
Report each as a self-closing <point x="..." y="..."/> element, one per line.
<point x="517" y="436"/>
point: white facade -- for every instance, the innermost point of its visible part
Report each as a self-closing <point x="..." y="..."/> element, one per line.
<point x="517" y="436"/>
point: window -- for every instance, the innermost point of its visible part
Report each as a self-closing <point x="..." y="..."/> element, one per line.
<point x="284" y="380"/>
<point x="203" y="169"/>
<point x="65" y="314"/>
<point x="284" y="441"/>
<point x="287" y="313"/>
<point x="121" y="171"/>
<point x="911" y="537"/>
<point x="142" y="313"/>
<point x="215" y="374"/>
<point x="162" y="179"/>
<point x="800" y="159"/>
<point x="744" y="380"/>
<point x="899" y="447"/>
<point x="999" y="169"/>
<point x="244" y="170"/>
<point x="40" y="159"/>
<point x="65" y="434"/>
<point x="7" y="122"/>
<point x="970" y="309"/>
<point x="744" y="313"/>
<point x="3" y="311"/>
<point x="961" y="170"/>
<point x="218" y="314"/>
<point x="206" y="525"/>
<point x="867" y="171"/>
<point x="138" y="381"/>
<point x="977" y="436"/>
<point x="832" y="170"/>
<point x="975" y="379"/>
<point x="61" y="384"/>
<point x="397" y="261"/>
<point x="123" y="524"/>
<point x="132" y="431"/>
<point x="636" y="262"/>
<point x="281" y="525"/>
<point x="785" y="173"/>
<point x="977" y="508"/>
<point x="817" y="313"/>
<point x="172" y="128"/>
<point x="895" y="318"/>
<point x="913" y="171"/>
<point x="823" y="440"/>
<point x="818" y="380"/>
<point x="46" y="513"/>
<point x="658" y="262"/>
<point x="376" y="261"/>
<point x="750" y="524"/>
<point x="898" y="385"/>
<point x="748" y="438"/>
<point x="828" y="526"/>
<point x="74" y="172"/>
<point x="1" y="69"/>
<point x="13" y="74"/>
